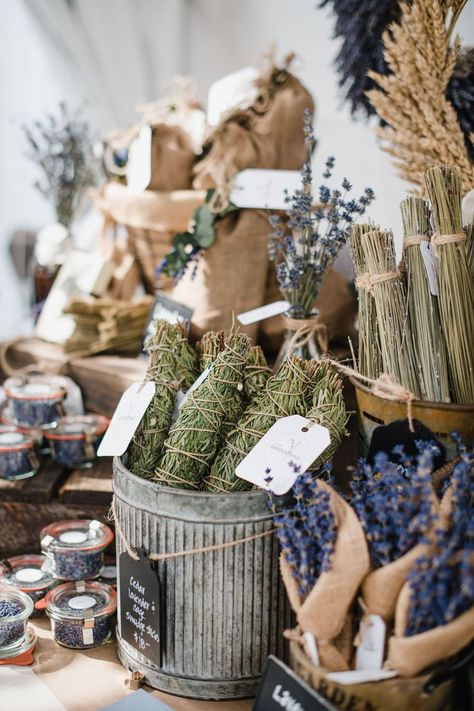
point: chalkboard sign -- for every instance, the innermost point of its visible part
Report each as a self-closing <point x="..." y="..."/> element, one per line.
<point x="167" y="309"/>
<point x="140" y="606"/>
<point x="386" y="437"/>
<point x="281" y="688"/>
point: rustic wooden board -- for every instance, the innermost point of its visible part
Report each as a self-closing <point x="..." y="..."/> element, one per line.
<point x="92" y="486"/>
<point x="39" y="488"/>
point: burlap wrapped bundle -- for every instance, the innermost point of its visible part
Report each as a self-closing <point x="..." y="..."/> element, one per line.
<point x="172" y="158"/>
<point x="326" y="610"/>
<point x="232" y="273"/>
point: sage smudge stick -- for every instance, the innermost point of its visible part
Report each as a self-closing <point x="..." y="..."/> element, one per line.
<point x="328" y="409"/>
<point x="455" y="286"/>
<point x="423" y="309"/>
<point x="195" y="436"/>
<point x="256" y="373"/>
<point x="210" y="345"/>
<point x="284" y="394"/>
<point x="187" y="359"/>
<point x="147" y="443"/>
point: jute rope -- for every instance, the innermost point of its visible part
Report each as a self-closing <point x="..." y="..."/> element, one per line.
<point x="449" y="239"/>
<point x="367" y="281"/>
<point x="304" y="329"/>
<point x="413" y="240"/>
<point x="190" y="551"/>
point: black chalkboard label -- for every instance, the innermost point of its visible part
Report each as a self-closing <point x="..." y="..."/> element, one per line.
<point x="140" y="606"/>
<point x="281" y="688"/>
<point x="386" y="437"/>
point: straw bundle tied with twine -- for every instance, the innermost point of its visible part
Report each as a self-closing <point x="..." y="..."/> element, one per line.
<point x="456" y="290"/>
<point x="423" y="310"/>
<point x="193" y="439"/>
<point x="382" y="282"/>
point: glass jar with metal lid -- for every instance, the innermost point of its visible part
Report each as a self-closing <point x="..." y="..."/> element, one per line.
<point x="15" y="609"/>
<point x="81" y="613"/>
<point x="29" y="574"/>
<point x="75" y="439"/>
<point x="18" y="459"/>
<point x="36" y="400"/>
<point x="75" y="549"/>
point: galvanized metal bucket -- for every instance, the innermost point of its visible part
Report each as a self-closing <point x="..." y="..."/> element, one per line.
<point x="441" y="418"/>
<point x="224" y="610"/>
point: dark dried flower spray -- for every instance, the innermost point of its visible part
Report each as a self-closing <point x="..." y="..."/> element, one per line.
<point x="442" y="581"/>
<point x="395" y="503"/>
<point x="61" y="146"/>
<point x="304" y="255"/>
<point x="306" y="531"/>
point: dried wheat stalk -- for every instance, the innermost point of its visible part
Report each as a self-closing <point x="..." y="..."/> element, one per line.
<point x="422" y="127"/>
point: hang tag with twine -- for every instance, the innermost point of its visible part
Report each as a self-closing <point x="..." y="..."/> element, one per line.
<point x="126" y="418"/>
<point x="264" y="189"/>
<point x="431" y="262"/>
<point x="370" y="649"/>
<point x="139" y="161"/>
<point x="285" y="451"/>
<point x="263" y="312"/>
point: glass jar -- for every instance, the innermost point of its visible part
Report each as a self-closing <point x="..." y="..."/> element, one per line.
<point x="15" y="609"/>
<point x="81" y="613"/>
<point x="18" y="459"/>
<point x="75" y="440"/>
<point x="29" y="574"/>
<point x="75" y="549"/>
<point x="304" y="337"/>
<point x="36" y="400"/>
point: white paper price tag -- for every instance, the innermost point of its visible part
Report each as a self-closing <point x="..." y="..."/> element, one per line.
<point x="292" y="442"/>
<point x="370" y="649"/>
<point x="431" y="263"/>
<point x="233" y="90"/>
<point x="264" y="188"/>
<point x="126" y="418"/>
<point x="263" y="312"/>
<point x="361" y="676"/>
<point x="311" y="648"/>
<point x="139" y="161"/>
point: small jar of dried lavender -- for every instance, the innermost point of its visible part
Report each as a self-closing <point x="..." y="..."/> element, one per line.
<point x="36" y="400"/>
<point x="29" y="574"/>
<point x="18" y="459"/>
<point x="15" y="609"/>
<point x="75" y="439"/>
<point x="75" y="549"/>
<point x="81" y="613"/>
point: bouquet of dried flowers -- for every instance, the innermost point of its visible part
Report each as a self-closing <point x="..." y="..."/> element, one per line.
<point x="62" y="148"/>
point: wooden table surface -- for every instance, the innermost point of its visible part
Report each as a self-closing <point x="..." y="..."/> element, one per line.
<point x="93" y="679"/>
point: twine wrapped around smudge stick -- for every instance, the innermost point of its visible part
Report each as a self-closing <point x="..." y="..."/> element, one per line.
<point x="284" y="395"/>
<point x="328" y="410"/>
<point x="210" y="345"/>
<point x="194" y="438"/>
<point x="256" y="373"/>
<point x="187" y="359"/>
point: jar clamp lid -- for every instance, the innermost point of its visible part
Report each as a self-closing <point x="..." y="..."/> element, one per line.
<point x="73" y="427"/>
<point x="21" y="599"/>
<point x="35" y="387"/>
<point x="13" y="439"/>
<point x="84" y="534"/>
<point x="27" y="573"/>
<point x="83" y="601"/>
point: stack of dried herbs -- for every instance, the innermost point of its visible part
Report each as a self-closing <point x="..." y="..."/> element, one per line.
<point x="423" y="310"/>
<point x="256" y="373"/>
<point x="328" y="409"/>
<point x="455" y="286"/>
<point x="194" y="438"/>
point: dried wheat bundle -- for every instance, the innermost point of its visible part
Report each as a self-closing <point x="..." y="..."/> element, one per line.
<point x="422" y="126"/>
<point x="456" y="290"/>
<point x="384" y="283"/>
<point x="469" y="230"/>
<point x="194" y="438"/>
<point x="423" y="309"/>
<point x="284" y="395"/>
<point x="369" y="353"/>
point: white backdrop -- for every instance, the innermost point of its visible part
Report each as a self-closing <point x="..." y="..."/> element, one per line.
<point x="110" y="55"/>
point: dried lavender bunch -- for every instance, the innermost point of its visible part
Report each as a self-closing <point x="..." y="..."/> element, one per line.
<point x="328" y="409"/>
<point x="442" y="581"/>
<point x="307" y="532"/>
<point x="395" y="504"/>
<point x="62" y="148"/>
<point x="195" y="436"/>
<point x="304" y="256"/>
<point x="284" y="394"/>
<point x="145" y="449"/>
<point x="256" y="373"/>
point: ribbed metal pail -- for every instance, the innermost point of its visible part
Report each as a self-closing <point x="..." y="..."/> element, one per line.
<point x="224" y="611"/>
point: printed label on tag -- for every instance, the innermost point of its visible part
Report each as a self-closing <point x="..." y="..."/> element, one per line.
<point x="233" y="90"/>
<point x="361" y="676"/>
<point x="431" y="263"/>
<point x="311" y="648"/>
<point x="139" y="161"/>
<point x="370" y="649"/>
<point x="263" y="312"/>
<point x="264" y="189"/>
<point x="293" y="442"/>
<point x="126" y="418"/>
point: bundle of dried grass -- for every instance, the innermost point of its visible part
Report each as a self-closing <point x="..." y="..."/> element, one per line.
<point x="456" y="290"/>
<point x="423" y="310"/>
<point x="422" y="127"/>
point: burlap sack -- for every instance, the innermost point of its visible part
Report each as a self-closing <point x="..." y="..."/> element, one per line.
<point x="172" y="158"/>
<point x="410" y="655"/>
<point x="325" y="610"/>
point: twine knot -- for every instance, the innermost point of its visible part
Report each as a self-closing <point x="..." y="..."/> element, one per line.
<point x="303" y="330"/>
